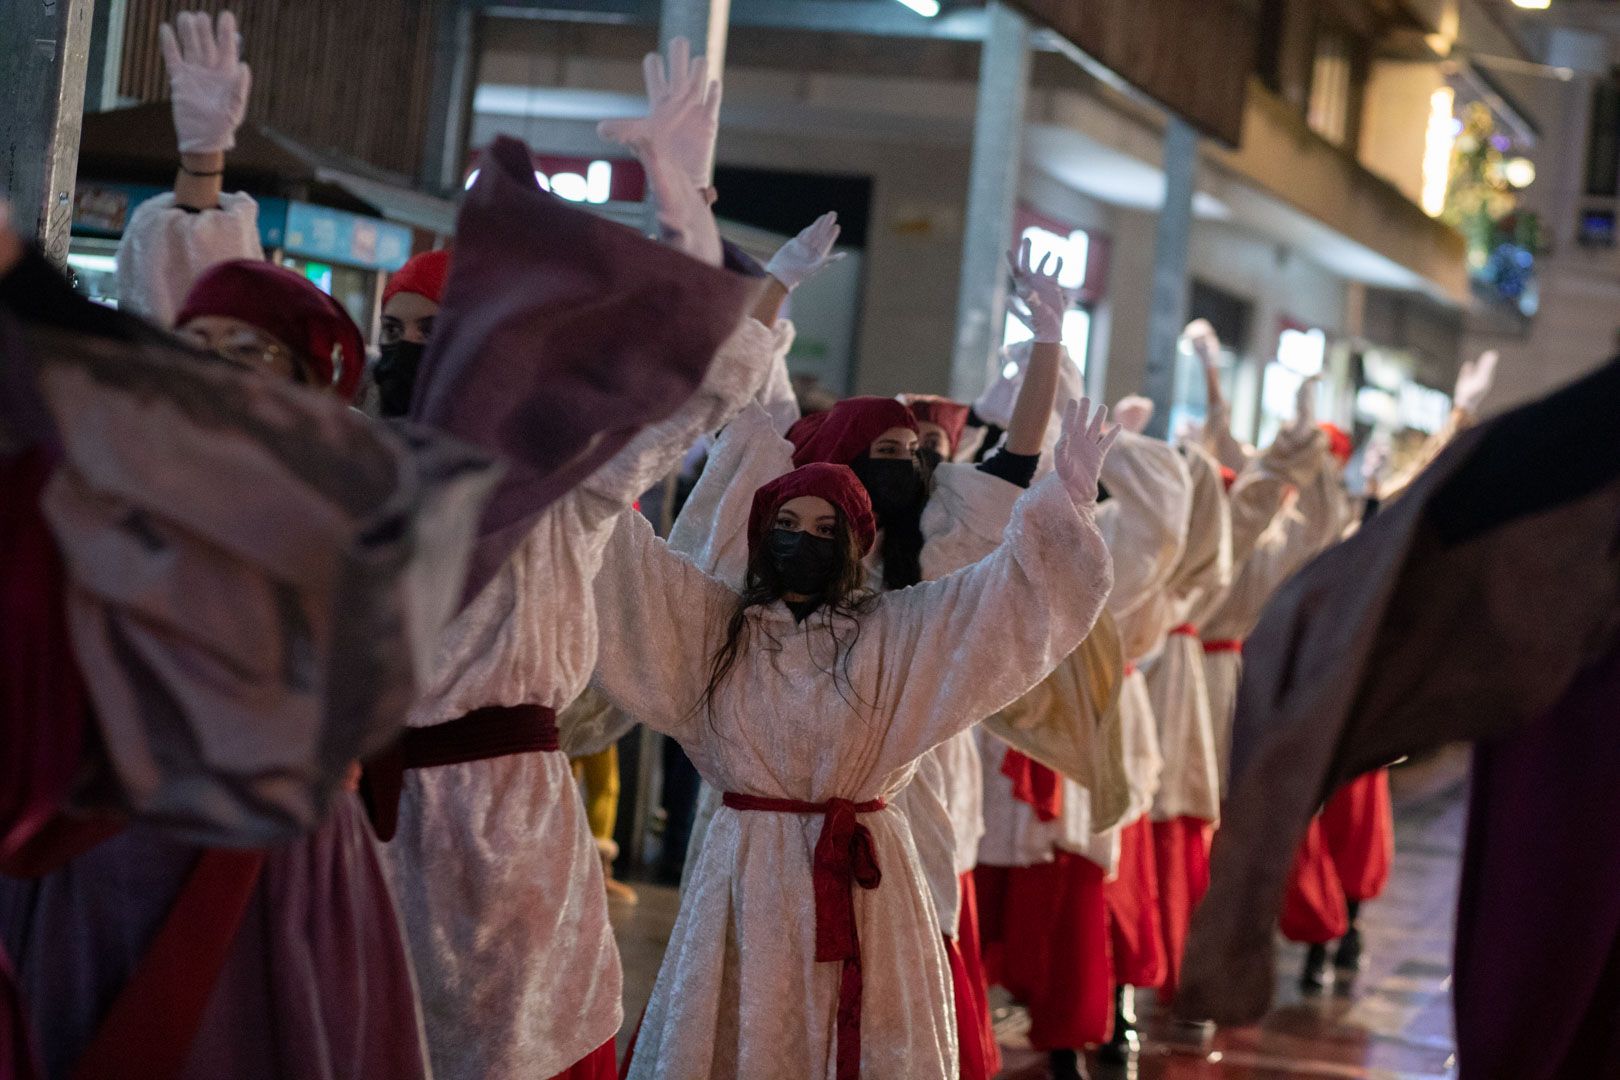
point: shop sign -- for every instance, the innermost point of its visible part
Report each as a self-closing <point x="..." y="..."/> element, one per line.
<point x="319" y="232"/>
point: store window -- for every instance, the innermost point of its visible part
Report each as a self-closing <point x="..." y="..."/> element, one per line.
<point x="1603" y="140"/>
<point x="1074" y="247"/>
<point x="1231" y="316"/>
<point x="1301" y="355"/>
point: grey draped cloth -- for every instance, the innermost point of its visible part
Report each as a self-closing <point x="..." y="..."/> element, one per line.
<point x="561" y="335"/>
<point x="1464" y="611"/>
<point x="257" y="575"/>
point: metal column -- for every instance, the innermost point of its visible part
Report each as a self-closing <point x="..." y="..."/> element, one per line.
<point x="1168" y="314"/>
<point x="42" y="66"/>
<point x="998" y="140"/>
<point x="454" y="73"/>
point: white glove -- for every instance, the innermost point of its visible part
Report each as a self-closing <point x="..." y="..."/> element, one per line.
<point x="1042" y="295"/>
<point x="1206" y="344"/>
<point x="683" y="115"/>
<point x="1374" y="461"/>
<point x="1474" y="382"/>
<point x="807" y="254"/>
<point x="207" y="80"/>
<point x="1078" y="459"/>
<point x="1133" y="413"/>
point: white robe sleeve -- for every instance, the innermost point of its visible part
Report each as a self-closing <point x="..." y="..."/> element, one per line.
<point x="712" y="528"/>
<point x="165" y="249"/>
<point x="660" y="617"/>
<point x="1144" y="521"/>
<point x="954" y="651"/>
<point x="732" y="379"/>
<point x="776" y="397"/>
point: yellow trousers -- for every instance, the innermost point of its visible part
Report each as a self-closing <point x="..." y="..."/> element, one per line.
<point x="598" y="775"/>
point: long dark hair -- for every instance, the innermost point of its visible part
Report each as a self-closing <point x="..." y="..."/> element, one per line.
<point x="846" y="598"/>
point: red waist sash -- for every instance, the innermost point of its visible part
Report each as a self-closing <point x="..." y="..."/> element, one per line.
<point x="1186" y="629"/>
<point x="491" y="732"/>
<point x="1231" y="645"/>
<point x="845" y="857"/>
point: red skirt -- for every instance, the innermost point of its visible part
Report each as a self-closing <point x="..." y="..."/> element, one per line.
<point x="1133" y="910"/>
<point x="1052" y="934"/>
<point x="1181" y="856"/>
<point x="976" y="1024"/>
<point x="1358" y="827"/>
<point x="1313" y="907"/>
<point x="600" y="1064"/>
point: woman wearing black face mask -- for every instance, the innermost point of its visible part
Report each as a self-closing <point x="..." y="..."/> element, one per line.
<point x="809" y="720"/>
<point x="410" y="304"/>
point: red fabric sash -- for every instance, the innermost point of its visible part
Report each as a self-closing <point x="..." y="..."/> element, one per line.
<point x="845" y="857"/>
<point x="1231" y="645"/>
<point x="1186" y="629"/>
<point x="491" y="732"/>
<point x="1034" y="783"/>
<point x="148" y="1033"/>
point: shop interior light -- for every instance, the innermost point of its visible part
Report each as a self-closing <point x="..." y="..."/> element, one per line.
<point x="1439" y="139"/>
<point x="926" y="8"/>
<point x="1533" y="5"/>
<point x="1519" y="171"/>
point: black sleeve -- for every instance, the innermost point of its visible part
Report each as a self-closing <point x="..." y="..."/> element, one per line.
<point x="1014" y="468"/>
<point x="1369" y="511"/>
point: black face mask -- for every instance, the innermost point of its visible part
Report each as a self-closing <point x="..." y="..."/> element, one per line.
<point x="929" y="458"/>
<point x="805" y="563"/>
<point x="895" y="486"/>
<point x="395" y="375"/>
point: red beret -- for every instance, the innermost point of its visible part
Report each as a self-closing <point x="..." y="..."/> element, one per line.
<point x="1339" y="444"/>
<point x="847" y="430"/>
<point x="835" y="483"/>
<point x="949" y="415"/>
<point x="290" y="308"/>
<point x="423" y="274"/>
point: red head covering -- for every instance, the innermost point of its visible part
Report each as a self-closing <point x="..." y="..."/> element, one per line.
<point x="289" y="308"/>
<point x="835" y="483"/>
<point x="423" y="274"/>
<point x="949" y="415"/>
<point x="1339" y="444"/>
<point x="847" y="430"/>
<point x="1228" y="477"/>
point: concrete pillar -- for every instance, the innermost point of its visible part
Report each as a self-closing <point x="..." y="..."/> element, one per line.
<point x="454" y="78"/>
<point x="106" y="56"/>
<point x="998" y="141"/>
<point x="1172" y="233"/>
<point x="42" y="66"/>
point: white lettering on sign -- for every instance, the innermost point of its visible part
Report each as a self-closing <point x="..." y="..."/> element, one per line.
<point x="596" y="186"/>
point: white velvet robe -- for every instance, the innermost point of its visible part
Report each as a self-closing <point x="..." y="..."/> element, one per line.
<point x="1144" y="523"/>
<point x="740" y="993"/>
<point x="164" y="250"/>
<point x="498" y="878"/>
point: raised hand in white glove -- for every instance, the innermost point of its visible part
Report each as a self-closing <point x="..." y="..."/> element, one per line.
<point x="207" y="80"/>
<point x="1133" y="413"/>
<point x="1044" y="298"/>
<point x="807" y="254"/>
<point x="1206" y="344"/>
<point x="683" y="117"/>
<point x="1078" y="459"/>
<point x="1474" y="382"/>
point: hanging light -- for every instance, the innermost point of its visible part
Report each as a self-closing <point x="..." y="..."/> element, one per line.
<point x="926" y="8"/>
<point x="1533" y="5"/>
<point x="1519" y="171"/>
<point x="1439" y="139"/>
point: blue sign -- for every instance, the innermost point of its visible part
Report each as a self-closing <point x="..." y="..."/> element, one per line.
<point x="318" y="232"/>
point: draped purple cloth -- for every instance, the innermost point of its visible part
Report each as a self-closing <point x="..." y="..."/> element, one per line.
<point x="561" y="335"/>
<point x="1461" y="612"/>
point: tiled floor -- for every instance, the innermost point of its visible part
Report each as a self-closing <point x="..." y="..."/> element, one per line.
<point x="1394" y="1023"/>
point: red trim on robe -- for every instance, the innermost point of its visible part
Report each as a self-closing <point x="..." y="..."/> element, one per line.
<point x="967" y="937"/>
<point x="1034" y="784"/>
<point x="599" y="1064"/>
<point x="1314" y="909"/>
<point x="1358" y="827"/>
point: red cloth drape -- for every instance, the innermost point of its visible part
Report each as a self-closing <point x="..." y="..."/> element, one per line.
<point x="1358" y="828"/>
<point x="967" y="937"/>
<point x="599" y="1064"/>
<point x="1314" y="907"/>
<point x="1181" y="854"/>
<point x="971" y="1064"/>
<point x="1133" y="910"/>
<point x="1034" y="783"/>
<point x="1054" y="947"/>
